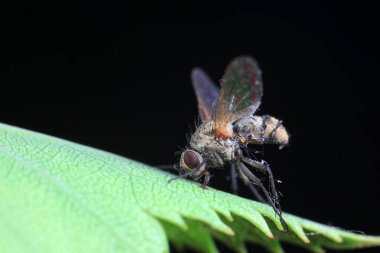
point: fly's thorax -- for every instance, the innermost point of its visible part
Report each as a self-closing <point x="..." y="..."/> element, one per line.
<point x="204" y="141"/>
<point x="203" y="136"/>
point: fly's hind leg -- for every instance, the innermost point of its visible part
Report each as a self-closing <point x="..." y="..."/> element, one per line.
<point x="263" y="167"/>
<point x="247" y="182"/>
<point x="251" y="184"/>
<point x="248" y="175"/>
<point x="233" y="175"/>
<point x="257" y="194"/>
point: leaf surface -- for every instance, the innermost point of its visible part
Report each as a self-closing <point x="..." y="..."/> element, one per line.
<point x="58" y="196"/>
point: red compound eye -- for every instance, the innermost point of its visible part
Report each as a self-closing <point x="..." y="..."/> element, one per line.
<point x="191" y="159"/>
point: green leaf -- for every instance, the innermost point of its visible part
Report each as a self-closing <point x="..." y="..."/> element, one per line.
<point x="58" y="196"/>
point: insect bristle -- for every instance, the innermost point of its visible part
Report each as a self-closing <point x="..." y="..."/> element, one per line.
<point x="188" y="137"/>
<point x="249" y="151"/>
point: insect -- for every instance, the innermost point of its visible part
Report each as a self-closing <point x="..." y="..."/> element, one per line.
<point x="228" y="125"/>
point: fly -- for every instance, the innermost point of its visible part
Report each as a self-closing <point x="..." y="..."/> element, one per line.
<point x="228" y="125"/>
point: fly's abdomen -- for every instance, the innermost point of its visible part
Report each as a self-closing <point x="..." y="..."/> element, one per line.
<point x="274" y="131"/>
<point x="261" y="130"/>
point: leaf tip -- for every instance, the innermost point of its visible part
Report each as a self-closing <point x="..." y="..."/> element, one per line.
<point x="231" y="233"/>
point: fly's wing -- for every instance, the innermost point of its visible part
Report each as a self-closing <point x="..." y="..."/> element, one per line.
<point x="206" y="92"/>
<point x="240" y="94"/>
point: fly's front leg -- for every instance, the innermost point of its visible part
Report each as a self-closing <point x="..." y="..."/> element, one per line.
<point x="198" y="172"/>
<point x="206" y="179"/>
<point x="195" y="174"/>
<point x="184" y="175"/>
<point x="167" y="167"/>
<point x="202" y="172"/>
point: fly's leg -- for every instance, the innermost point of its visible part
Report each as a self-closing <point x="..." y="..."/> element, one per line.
<point x="248" y="177"/>
<point x="206" y="179"/>
<point x="202" y="172"/>
<point x="198" y="172"/>
<point x="234" y="183"/>
<point x="194" y="174"/>
<point x="263" y="167"/>
<point x="247" y="174"/>
<point x="248" y="183"/>
<point x="167" y="167"/>
<point x="257" y="194"/>
<point x="184" y="175"/>
<point x="218" y="159"/>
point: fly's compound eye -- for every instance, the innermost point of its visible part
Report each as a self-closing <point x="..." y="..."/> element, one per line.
<point x="190" y="159"/>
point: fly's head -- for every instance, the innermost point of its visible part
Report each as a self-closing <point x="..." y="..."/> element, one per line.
<point x="190" y="160"/>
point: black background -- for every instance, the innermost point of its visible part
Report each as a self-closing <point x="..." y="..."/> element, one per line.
<point x="117" y="77"/>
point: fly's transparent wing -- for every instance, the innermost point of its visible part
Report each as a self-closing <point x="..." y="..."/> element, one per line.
<point x="206" y="92"/>
<point x="240" y="94"/>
